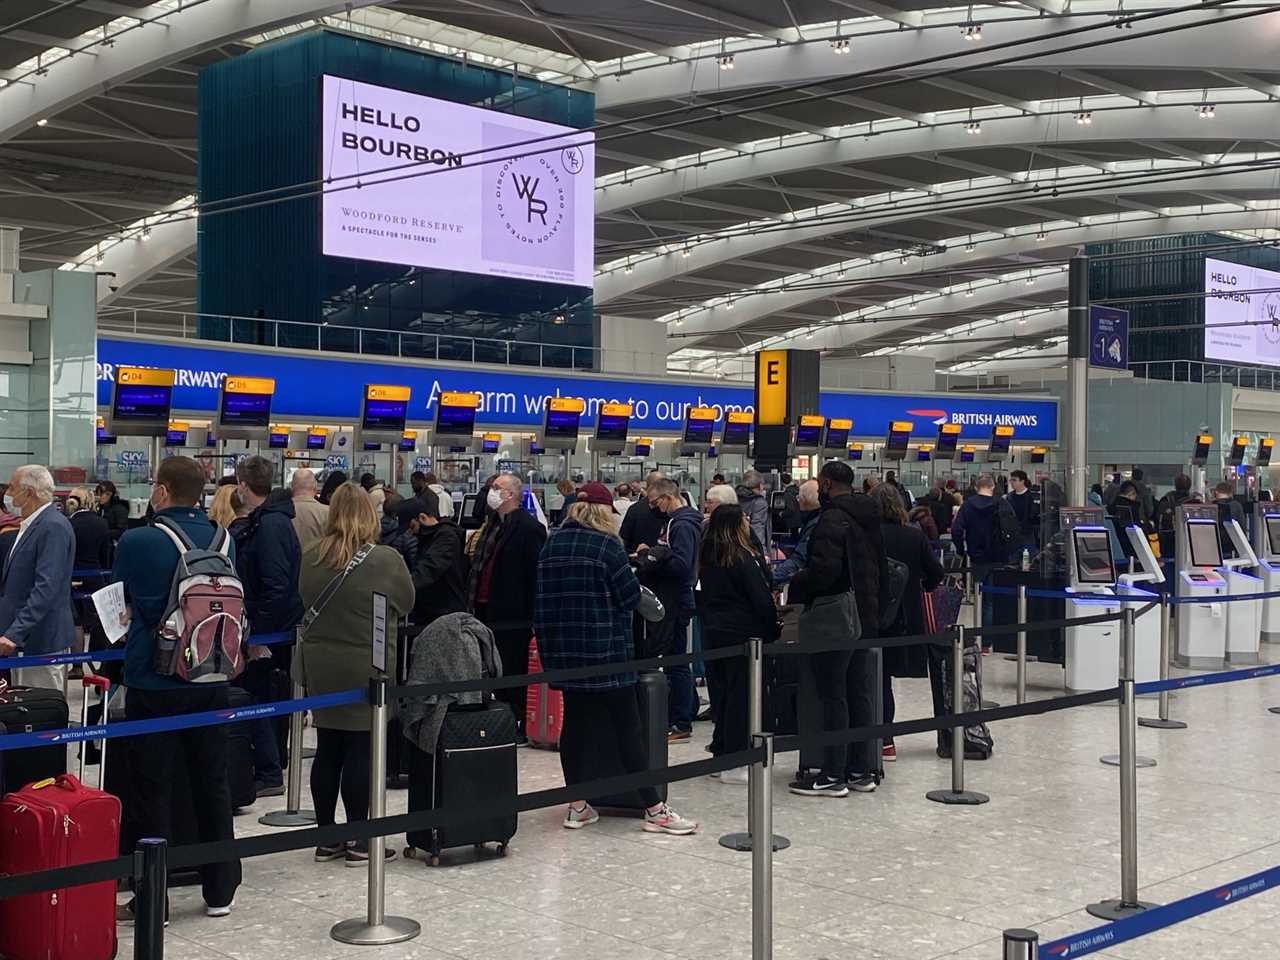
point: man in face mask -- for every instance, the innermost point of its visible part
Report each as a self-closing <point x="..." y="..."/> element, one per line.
<point x="808" y="512"/>
<point x="35" y="599"/>
<point x="504" y="579"/>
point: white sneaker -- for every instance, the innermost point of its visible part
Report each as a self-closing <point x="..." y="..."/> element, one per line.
<point x="576" y="819"/>
<point x="666" y="820"/>
<point x="219" y="911"/>
<point x="736" y="776"/>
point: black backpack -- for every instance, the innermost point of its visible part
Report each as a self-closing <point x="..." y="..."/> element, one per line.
<point x="893" y="585"/>
<point x="1007" y="529"/>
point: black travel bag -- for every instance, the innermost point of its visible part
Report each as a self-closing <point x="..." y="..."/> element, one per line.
<point x="240" y="772"/>
<point x="474" y="765"/>
<point x="651" y="689"/>
<point x="31" y="710"/>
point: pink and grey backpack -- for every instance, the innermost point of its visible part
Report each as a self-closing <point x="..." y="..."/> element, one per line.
<point x="203" y="634"/>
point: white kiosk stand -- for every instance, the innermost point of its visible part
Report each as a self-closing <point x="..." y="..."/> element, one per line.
<point x="1202" y="629"/>
<point x="1146" y="629"/>
<point x="1244" y="617"/>
<point x="1266" y="544"/>
<point x="1093" y="650"/>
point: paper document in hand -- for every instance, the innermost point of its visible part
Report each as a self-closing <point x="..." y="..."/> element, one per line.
<point x="109" y="602"/>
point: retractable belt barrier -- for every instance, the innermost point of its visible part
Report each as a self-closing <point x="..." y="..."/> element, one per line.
<point x="1208" y="679"/>
<point x="113" y="654"/>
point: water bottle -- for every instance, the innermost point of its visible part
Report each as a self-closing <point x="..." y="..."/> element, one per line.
<point x="1026" y="559"/>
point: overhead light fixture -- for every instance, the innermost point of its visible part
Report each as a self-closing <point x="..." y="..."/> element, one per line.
<point x="1031" y="280"/>
<point x="145" y="234"/>
<point x="1041" y="236"/>
<point x="906" y="258"/>
<point x="725" y="61"/>
<point x="679" y="321"/>
<point x="44" y="122"/>
<point x="971" y="32"/>
<point x="1208" y="111"/>
<point x="970" y="247"/>
<point x="686" y="253"/>
<point x="912" y="306"/>
<point x="728" y="305"/>
<point x="559" y="319"/>
<point x="973" y="127"/>
<point x="840" y="45"/>
<point x="969" y="292"/>
<point x="1022" y="320"/>
<point x="100" y="257"/>
<point x="627" y="269"/>
<point x="808" y="335"/>
<point x="1084" y="118"/>
<point x="840" y="274"/>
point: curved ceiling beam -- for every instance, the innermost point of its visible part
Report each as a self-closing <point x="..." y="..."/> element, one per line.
<point x="134" y="259"/>
<point x="1241" y="122"/>
<point x="741" y="243"/>
<point x="138" y="51"/>
<point x="844" y="335"/>
<point x="1243" y="46"/>
<point x="962" y="350"/>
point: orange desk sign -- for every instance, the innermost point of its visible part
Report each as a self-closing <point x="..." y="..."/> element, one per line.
<point x="382" y="391"/>
<point x="146" y="376"/>
<point x="566" y="404"/>
<point x="254" y="385"/>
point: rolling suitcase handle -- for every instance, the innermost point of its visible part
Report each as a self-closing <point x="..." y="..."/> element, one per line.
<point x="103" y="685"/>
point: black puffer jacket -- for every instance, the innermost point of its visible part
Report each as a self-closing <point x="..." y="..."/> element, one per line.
<point x="439" y="573"/>
<point x="116" y="513"/>
<point x="268" y="559"/>
<point x="851" y="521"/>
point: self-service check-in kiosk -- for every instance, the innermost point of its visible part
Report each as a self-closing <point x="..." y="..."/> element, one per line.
<point x="1146" y="629"/>
<point x="1202" y="631"/>
<point x="1092" y="649"/>
<point x="1266" y="544"/>
<point x="1243" y="617"/>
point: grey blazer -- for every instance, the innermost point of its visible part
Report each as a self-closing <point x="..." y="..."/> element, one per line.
<point x="35" y="593"/>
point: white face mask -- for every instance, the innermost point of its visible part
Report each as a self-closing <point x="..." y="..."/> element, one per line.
<point x="9" y="505"/>
<point x="494" y="499"/>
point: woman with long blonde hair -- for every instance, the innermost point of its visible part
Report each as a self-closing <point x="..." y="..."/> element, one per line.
<point x="226" y="505"/>
<point x="341" y="572"/>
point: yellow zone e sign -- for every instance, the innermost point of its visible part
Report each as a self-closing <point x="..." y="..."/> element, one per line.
<point x="256" y="385"/>
<point x="382" y="391"/>
<point x="452" y="398"/>
<point x="278" y="429"/>
<point x="771" y="387"/>
<point x="145" y="376"/>
<point x="409" y="435"/>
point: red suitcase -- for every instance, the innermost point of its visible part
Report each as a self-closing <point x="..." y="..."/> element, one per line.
<point x="544" y="707"/>
<point x="49" y="824"/>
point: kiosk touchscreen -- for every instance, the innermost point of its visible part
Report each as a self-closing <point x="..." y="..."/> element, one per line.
<point x="1093" y="649"/>
<point x="948" y="437"/>
<point x="699" y="429"/>
<point x="835" y="439"/>
<point x="140" y="402"/>
<point x="1202" y="629"/>
<point x="561" y="422"/>
<point x="1147" y="629"/>
<point x="895" y="444"/>
<point x="612" y="422"/>
<point x="1001" y="439"/>
<point x="735" y="435"/>
<point x="176" y="435"/>
<point x="455" y="422"/>
<point x="1244" y="617"/>
<point x="809" y="430"/>
<point x="244" y="409"/>
<point x="1266" y="544"/>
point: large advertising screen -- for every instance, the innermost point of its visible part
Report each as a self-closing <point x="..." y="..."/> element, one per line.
<point x="454" y="187"/>
<point x="1241" y="313"/>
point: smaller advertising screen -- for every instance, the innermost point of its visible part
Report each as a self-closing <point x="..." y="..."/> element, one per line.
<point x="966" y="454"/>
<point x="837" y="435"/>
<point x="456" y="414"/>
<point x="385" y="408"/>
<point x="1001" y="438"/>
<point x="855" y="451"/>
<point x="408" y="441"/>
<point x="1038" y="454"/>
<point x="612" y="422"/>
<point x="895" y="444"/>
<point x="1202" y="537"/>
<point x="1265" y="446"/>
<point x="948" y="437"/>
<point x="1238" y="447"/>
<point x="176" y="435"/>
<point x="317" y="438"/>
<point x="699" y="425"/>
<point x="103" y="438"/>
<point x="278" y="439"/>
<point x="246" y="402"/>
<point x="141" y="399"/>
<point x="809" y="432"/>
<point x="563" y="418"/>
<point x="736" y="431"/>
<point x="489" y="442"/>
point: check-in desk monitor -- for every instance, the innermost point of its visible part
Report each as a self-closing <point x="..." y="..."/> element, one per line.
<point x="642" y="447"/>
<point x="455" y="423"/>
<point x="735" y="435"/>
<point x="948" y="437"/>
<point x="855" y="451"/>
<point x="1235" y="456"/>
<point x="1200" y="449"/>
<point x="967" y="454"/>
<point x="140" y="402"/>
<point x="244" y="409"/>
<point x="809" y="430"/>
<point x="924" y="453"/>
<point x="278" y="438"/>
<point x="383" y="413"/>
<point x="318" y="438"/>
<point x="835" y="439"/>
<point x="176" y="435"/>
<point x="1038" y="454"/>
<point x="612" y="422"/>
<point x="1265" y="446"/>
<point x="489" y="442"/>
<point x="103" y="437"/>
<point x="1001" y="440"/>
<point x="408" y="441"/>
<point x="1092" y="649"/>
<point x="561" y="423"/>
<point x="699" y="430"/>
<point x="897" y="440"/>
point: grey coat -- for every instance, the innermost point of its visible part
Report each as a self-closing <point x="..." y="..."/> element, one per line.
<point x="35" y="599"/>
<point x="454" y="647"/>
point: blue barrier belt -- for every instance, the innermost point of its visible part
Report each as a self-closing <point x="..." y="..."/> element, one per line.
<point x="208" y="718"/>
<point x="1157" y="918"/>
<point x="115" y="653"/>
<point x="1035" y="593"/>
<point x="1235" y="598"/>
<point x="1207" y="679"/>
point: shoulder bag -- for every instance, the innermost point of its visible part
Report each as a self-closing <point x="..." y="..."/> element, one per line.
<point x="331" y="588"/>
<point x="832" y="620"/>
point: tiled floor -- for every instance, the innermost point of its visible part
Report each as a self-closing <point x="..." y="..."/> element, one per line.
<point x="877" y="877"/>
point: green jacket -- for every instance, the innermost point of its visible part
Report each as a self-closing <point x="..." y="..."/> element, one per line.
<point x="337" y="649"/>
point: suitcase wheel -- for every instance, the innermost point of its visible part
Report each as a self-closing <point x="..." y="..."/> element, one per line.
<point x="435" y="860"/>
<point x="502" y="849"/>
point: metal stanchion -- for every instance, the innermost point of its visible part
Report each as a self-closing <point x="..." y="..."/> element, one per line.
<point x="1128" y="904"/>
<point x="762" y="854"/>
<point x="755" y="723"/>
<point x="977" y="619"/>
<point x="292" y="815"/>
<point x="1022" y="643"/>
<point x="957" y="794"/>
<point x="1163" y="722"/>
<point x="1126" y="669"/>
<point x="151" y="878"/>
<point x="1020" y="945"/>
<point x="376" y="928"/>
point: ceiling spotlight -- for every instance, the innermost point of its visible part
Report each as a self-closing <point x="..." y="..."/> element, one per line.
<point x="44" y="122"/>
<point x="912" y="306"/>
<point x="906" y="258"/>
<point x="725" y="61"/>
<point x="1031" y="281"/>
<point x="680" y="321"/>
<point x="1022" y="320"/>
<point x="840" y="45"/>
<point x="840" y="274"/>
<point x="969" y="247"/>
<point x="1084" y="118"/>
<point x="728" y="305"/>
<point x="145" y="234"/>
<point x="627" y="269"/>
<point x="973" y="127"/>
<point x="686" y="253"/>
<point x="808" y="335"/>
<point x="100" y="257"/>
<point x="1208" y="111"/>
<point x="969" y="292"/>
<point x="971" y="31"/>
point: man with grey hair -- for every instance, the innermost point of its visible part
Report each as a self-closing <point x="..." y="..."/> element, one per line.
<point x="751" y="497"/>
<point x="310" y="516"/>
<point x="35" y="585"/>
<point x="808" y="509"/>
<point x="718" y="496"/>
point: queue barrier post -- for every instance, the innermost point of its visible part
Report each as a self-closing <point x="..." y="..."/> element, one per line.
<point x="1022" y="643"/>
<point x="1126" y="668"/>
<point x="957" y="795"/>
<point x="1128" y="904"/>
<point x="1020" y="944"/>
<point x="376" y="929"/>
<point x="762" y="853"/>
<point x="293" y="815"/>
<point x="151" y="879"/>
<point x="1162" y="722"/>
<point x="742" y="842"/>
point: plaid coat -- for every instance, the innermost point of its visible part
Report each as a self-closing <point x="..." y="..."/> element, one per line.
<point x="582" y="612"/>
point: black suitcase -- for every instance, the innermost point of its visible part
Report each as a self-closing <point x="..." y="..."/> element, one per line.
<point x="240" y="776"/>
<point x="651" y="689"/>
<point x="474" y="764"/>
<point x="32" y="710"/>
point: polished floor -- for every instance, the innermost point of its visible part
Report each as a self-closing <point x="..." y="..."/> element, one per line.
<point x="887" y="876"/>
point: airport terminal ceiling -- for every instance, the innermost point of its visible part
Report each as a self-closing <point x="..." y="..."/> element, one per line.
<point x="861" y="176"/>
